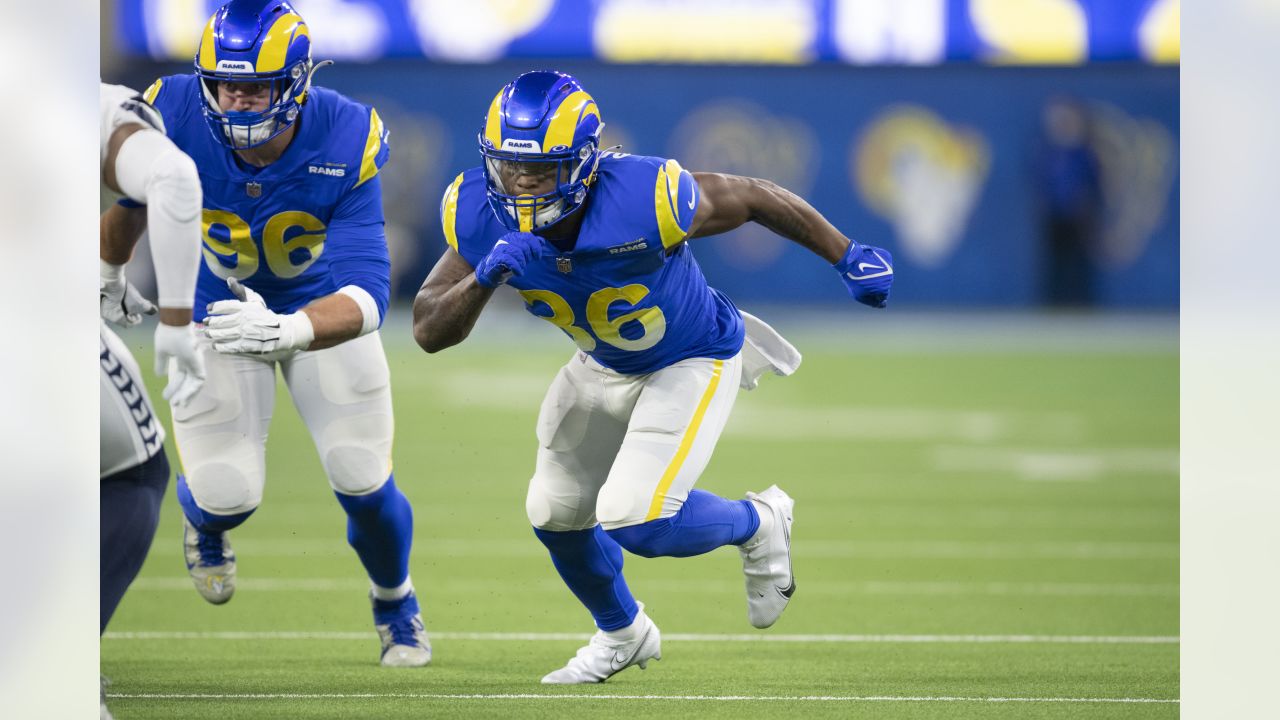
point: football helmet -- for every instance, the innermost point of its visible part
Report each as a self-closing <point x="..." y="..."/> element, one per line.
<point x="254" y="41"/>
<point x="540" y="126"/>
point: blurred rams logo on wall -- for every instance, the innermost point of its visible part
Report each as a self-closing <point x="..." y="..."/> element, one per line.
<point x="1136" y="159"/>
<point x="922" y="175"/>
<point x="741" y="138"/>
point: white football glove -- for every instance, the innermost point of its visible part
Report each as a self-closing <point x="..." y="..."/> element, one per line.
<point x="178" y="357"/>
<point x="119" y="302"/>
<point x="247" y="326"/>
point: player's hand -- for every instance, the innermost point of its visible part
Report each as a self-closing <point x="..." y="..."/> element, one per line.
<point x="119" y="302"/>
<point x="509" y="257"/>
<point x="178" y="357"/>
<point x="247" y="326"/>
<point x="868" y="273"/>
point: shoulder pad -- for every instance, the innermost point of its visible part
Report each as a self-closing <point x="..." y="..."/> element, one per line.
<point x="463" y="211"/>
<point x="376" y="148"/>
<point x="675" y="201"/>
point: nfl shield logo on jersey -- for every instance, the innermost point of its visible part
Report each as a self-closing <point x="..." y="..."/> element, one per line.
<point x="564" y="265"/>
<point x="253" y="189"/>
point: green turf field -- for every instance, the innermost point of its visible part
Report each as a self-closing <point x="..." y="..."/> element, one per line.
<point x="979" y="534"/>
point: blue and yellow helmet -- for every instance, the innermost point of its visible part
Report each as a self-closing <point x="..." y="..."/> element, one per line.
<point x="256" y="41"/>
<point x="542" y="122"/>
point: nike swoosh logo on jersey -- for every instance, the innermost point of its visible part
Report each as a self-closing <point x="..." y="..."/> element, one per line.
<point x="692" y="200"/>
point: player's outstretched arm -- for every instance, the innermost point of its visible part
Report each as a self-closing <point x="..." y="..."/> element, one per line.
<point x="448" y="303"/>
<point x="147" y="167"/>
<point x="729" y="201"/>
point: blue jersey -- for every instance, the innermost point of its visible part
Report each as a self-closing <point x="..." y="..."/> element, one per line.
<point x="630" y="293"/>
<point x="300" y="228"/>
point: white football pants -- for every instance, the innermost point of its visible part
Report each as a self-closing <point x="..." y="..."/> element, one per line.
<point x="128" y="432"/>
<point x="343" y="394"/>
<point x="626" y="449"/>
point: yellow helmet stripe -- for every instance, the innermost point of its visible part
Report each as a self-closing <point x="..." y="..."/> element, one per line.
<point x="492" y="123"/>
<point x="372" y="144"/>
<point x="665" y="195"/>
<point x="450" y="218"/>
<point x="565" y="121"/>
<point x="275" y="46"/>
<point x="208" y="59"/>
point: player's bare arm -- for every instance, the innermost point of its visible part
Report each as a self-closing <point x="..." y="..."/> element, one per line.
<point x="448" y="304"/>
<point x="729" y="201"/>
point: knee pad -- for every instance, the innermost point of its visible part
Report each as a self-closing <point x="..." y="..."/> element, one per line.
<point x="556" y="512"/>
<point x="225" y="484"/>
<point x="622" y="504"/>
<point x="357" y="453"/>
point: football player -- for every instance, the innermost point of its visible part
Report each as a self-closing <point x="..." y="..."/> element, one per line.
<point x="597" y="245"/>
<point x="296" y="274"/>
<point x="138" y="161"/>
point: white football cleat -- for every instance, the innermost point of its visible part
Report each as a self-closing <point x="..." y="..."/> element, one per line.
<point x="602" y="658"/>
<point x="402" y="632"/>
<point x="210" y="563"/>
<point x="766" y="558"/>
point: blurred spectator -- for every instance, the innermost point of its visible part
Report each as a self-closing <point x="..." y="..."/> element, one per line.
<point x="1071" y="194"/>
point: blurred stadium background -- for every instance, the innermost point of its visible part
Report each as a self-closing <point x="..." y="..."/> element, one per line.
<point x="996" y="454"/>
<point x="1011" y="153"/>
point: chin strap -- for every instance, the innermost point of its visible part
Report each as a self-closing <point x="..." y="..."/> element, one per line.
<point x="302" y="96"/>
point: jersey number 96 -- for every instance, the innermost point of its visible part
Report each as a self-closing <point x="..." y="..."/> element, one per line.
<point x="230" y="250"/>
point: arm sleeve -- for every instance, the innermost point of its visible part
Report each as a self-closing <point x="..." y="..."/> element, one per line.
<point x="356" y="244"/>
<point x="152" y="170"/>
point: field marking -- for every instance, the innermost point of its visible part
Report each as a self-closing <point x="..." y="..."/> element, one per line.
<point x="680" y="698"/>
<point x="1074" y="464"/>
<point x="878" y="549"/>
<point x="907" y="588"/>
<point x="521" y="393"/>
<point x="676" y="637"/>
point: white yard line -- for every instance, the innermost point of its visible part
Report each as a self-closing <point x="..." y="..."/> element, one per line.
<point x="679" y="698"/>
<point x="1074" y="464"/>
<point x="907" y="588"/>
<point x="676" y="637"/>
<point x="886" y="549"/>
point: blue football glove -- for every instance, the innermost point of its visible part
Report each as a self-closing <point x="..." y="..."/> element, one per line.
<point x="508" y="257"/>
<point x="868" y="274"/>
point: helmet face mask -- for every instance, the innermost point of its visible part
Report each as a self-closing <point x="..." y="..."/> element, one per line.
<point x="254" y="41"/>
<point x="522" y="180"/>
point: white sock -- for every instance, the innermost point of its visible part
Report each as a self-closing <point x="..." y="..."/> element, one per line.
<point x="766" y="522"/>
<point x="628" y="633"/>
<point x="394" y="593"/>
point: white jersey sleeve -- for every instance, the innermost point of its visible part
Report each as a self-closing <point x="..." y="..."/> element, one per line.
<point x="150" y="169"/>
<point x="119" y="105"/>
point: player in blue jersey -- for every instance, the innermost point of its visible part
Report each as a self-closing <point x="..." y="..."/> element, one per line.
<point x="597" y="244"/>
<point x="293" y="210"/>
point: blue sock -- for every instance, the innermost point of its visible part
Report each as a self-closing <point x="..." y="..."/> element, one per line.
<point x="129" y="508"/>
<point x="590" y="563"/>
<point x="704" y="523"/>
<point x="203" y="520"/>
<point x="380" y="528"/>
